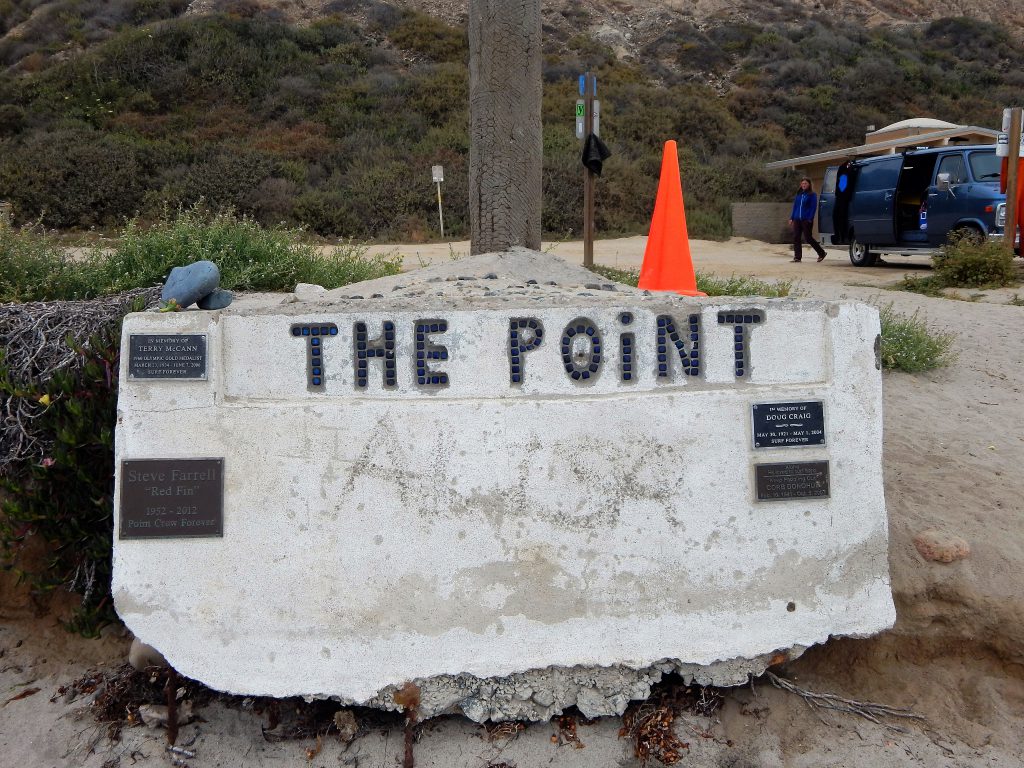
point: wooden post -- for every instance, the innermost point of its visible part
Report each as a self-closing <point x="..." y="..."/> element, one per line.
<point x="589" y="86"/>
<point x="1010" y="230"/>
<point x="440" y="212"/>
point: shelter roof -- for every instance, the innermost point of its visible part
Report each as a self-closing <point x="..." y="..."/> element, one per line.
<point x="884" y="147"/>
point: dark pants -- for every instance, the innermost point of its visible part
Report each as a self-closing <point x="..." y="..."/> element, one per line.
<point x="802" y="231"/>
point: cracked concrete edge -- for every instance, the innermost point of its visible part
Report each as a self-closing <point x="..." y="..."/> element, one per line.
<point x="540" y="694"/>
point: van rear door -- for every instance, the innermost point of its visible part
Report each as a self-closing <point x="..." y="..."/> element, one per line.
<point x="872" y="209"/>
<point x="827" y="205"/>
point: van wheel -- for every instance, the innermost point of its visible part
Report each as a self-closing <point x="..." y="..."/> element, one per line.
<point x="860" y="254"/>
<point x="966" y="234"/>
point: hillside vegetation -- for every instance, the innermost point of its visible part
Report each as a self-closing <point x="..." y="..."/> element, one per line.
<point x="122" y="109"/>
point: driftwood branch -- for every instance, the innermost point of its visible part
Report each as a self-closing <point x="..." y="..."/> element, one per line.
<point x="38" y="340"/>
<point x="876" y="713"/>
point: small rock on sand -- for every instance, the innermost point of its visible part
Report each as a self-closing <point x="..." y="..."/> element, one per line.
<point x="941" y="546"/>
<point x="141" y="656"/>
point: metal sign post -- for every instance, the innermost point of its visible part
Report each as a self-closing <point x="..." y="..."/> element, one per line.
<point x="437" y="171"/>
<point x="588" y="90"/>
<point x="1012" y="124"/>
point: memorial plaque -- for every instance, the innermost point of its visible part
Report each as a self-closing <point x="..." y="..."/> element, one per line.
<point x="792" y="480"/>
<point x="167" y="356"/>
<point x="172" y="498"/>
<point x="788" y="425"/>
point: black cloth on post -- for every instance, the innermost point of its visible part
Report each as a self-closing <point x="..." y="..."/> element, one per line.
<point x="595" y="152"/>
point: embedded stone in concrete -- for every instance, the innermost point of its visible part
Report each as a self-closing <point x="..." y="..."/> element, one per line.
<point x="186" y="285"/>
<point x="218" y="299"/>
<point x="519" y="496"/>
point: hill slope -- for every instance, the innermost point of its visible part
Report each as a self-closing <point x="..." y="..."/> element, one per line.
<point x="113" y="109"/>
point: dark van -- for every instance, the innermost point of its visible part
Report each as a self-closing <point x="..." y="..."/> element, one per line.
<point x="910" y="203"/>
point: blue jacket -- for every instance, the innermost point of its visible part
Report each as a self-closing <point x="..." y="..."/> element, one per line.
<point x="804" y="206"/>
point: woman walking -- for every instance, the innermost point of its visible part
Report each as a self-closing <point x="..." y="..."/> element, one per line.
<point x="801" y="220"/>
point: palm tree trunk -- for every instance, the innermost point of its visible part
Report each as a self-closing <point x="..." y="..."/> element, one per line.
<point x="506" y="145"/>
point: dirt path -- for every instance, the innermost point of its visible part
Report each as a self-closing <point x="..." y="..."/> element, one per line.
<point x="737" y="256"/>
<point x="954" y="448"/>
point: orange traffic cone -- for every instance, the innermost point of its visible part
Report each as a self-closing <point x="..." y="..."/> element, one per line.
<point x="667" y="265"/>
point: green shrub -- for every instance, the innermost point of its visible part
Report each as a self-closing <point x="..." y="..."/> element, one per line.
<point x="929" y="285"/>
<point x="704" y="224"/>
<point x="965" y="263"/>
<point x="910" y="345"/>
<point x="710" y="284"/>
<point x="65" y="500"/>
<point x="34" y="266"/>
<point x="222" y="179"/>
<point x="432" y="38"/>
<point x="74" y="178"/>
<point x="250" y="258"/>
<point x="741" y="285"/>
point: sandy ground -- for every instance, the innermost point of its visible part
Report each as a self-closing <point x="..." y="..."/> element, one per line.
<point x="954" y="448"/>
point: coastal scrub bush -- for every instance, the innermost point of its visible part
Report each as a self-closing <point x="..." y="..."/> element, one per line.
<point x="430" y="37"/>
<point x="33" y="265"/>
<point x="77" y="177"/>
<point x="965" y="263"/>
<point x="712" y="285"/>
<point x="64" y="500"/>
<point x="250" y="258"/>
<point x="910" y="345"/>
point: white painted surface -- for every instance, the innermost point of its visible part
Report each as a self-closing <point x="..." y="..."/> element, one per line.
<point x="373" y="538"/>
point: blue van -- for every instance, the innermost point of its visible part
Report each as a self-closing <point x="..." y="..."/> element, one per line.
<point x="910" y="203"/>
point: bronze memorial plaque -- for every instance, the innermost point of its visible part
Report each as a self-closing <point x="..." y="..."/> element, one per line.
<point x="171" y="498"/>
<point x="167" y="356"/>
<point x="788" y="425"/>
<point x="791" y="480"/>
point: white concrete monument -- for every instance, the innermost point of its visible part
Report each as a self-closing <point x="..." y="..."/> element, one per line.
<point x="500" y="479"/>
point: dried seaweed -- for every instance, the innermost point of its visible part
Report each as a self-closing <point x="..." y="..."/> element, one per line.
<point x="117" y="696"/>
<point x="567" y="732"/>
<point x="40" y="339"/>
<point x="508" y="729"/>
<point x="650" y="724"/>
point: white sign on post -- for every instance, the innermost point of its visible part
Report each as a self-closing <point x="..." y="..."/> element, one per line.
<point x="597" y="117"/>
<point x="437" y="172"/>
<point x="1003" y="148"/>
